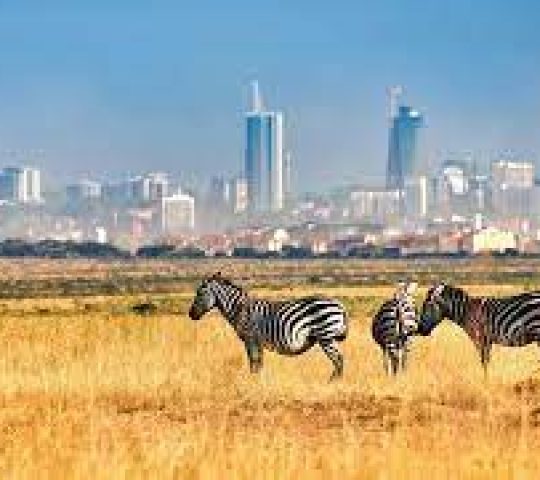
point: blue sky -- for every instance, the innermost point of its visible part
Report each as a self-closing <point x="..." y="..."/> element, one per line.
<point x="106" y="87"/>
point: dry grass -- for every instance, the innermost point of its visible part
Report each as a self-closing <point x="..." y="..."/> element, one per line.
<point x="92" y="391"/>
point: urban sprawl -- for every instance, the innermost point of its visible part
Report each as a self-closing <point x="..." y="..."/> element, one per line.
<point x="453" y="208"/>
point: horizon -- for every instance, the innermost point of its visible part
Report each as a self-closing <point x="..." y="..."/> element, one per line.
<point x="105" y="90"/>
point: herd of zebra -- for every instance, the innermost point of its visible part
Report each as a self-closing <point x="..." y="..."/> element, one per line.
<point x="291" y="327"/>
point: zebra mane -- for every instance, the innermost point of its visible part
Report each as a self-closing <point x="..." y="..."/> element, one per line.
<point x="220" y="279"/>
<point x="453" y="291"/>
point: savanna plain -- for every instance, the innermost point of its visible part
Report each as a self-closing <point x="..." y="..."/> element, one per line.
<point x="89" y="388"/>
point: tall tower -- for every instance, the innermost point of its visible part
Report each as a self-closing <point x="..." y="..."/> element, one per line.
<point x="394" y="100"/>
<point x="264" y="156"/>
<point x="403" y="157"/>
<point x="256" y="100"/>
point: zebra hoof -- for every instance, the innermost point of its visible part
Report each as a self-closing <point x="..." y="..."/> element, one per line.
<point x="255" y="369"/>
<point x="335" y="376"/>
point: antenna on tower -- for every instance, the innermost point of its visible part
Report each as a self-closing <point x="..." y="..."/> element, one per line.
<point x="256" y="99"/>
<point x="394" y="99"/>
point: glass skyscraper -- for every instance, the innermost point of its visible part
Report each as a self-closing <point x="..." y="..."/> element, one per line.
<point x="403" y="161"/>
<point x="264" y="157"/>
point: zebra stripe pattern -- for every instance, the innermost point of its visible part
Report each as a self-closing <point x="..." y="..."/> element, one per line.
<point x="288" y="327"/>
<point x="393" y="326"/>
<point x="509" y="321"/>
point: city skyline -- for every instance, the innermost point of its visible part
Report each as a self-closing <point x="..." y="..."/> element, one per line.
<point x="107" y="89"/>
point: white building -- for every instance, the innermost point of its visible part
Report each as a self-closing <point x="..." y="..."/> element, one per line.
<point x="513" y="187"/>
<point x="510" y="174"/>
<point x="240" y="195"/>
<point x="177" y="213"/>
<point x="374" y="205"/>
<point x="20" y="185"/>
<point x="415" y="193"/>
<point x="493" y="240"/>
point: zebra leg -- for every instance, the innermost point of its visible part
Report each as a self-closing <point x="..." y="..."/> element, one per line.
<point x="390" y="361"/>
<point x="394" y="362"/>
<point x="403" y="358"/>
<point x="336" y="358"/>
<point x="255" y="355"/>
<point x="386" y="363"/>
<point x="485" y="356"/>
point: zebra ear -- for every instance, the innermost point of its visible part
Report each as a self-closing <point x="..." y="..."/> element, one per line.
<point x="439" y="289"/>
<point x="411" y="288"/>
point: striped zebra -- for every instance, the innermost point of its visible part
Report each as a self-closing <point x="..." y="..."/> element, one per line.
<point x="393" y="326"/>
<point x="509" y="321"/>
<point x="288" y="327"/>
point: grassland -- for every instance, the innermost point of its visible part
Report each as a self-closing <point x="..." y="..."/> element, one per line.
<point x="88" y="389"/>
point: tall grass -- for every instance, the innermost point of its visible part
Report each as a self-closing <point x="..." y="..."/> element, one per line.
<point x="103" y="393"/>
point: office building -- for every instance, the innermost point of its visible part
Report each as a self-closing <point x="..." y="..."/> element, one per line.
<point x="220" y="193"/>
<point x="287" y="178"/>
<point x="377" y="206"/>
<point x="150" y="187"/>
<point x="403" y="147"/>
<point x="239" y="195"/>
<point x="20" y="185"/>
<point x="415" y="197"/>
<point x="177" y="214"/>
<point x="82" y="191"/>
<point x="454" y="189"/>
<point x="264" y="156"/>
<point x="512" y="188"/>
<point x="512" y="174"/>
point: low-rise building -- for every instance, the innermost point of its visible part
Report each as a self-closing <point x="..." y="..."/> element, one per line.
<point x="177" y="213"/>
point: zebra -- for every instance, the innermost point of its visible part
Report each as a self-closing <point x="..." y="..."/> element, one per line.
<point x="393" y="325"/>
<point x="288" y="327"/>
<point x="508" y="321"/>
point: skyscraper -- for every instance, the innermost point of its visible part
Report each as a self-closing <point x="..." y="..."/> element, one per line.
<point x="264" y="156"/>
<point x="403" y="158"/>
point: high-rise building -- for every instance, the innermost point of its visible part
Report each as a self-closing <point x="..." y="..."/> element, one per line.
<point x="415" y="197"/>
<point x="139" y="190"/>
<point x="287" y="178"/>
<point x="177" y="213"/>
<point x="512" y="174"/>
<point x="454" y="189"/>
<point x="374" y="205"/>
<point x="240" y="195"/>
<point x="219" y="194"/>
<point x="403" y="154"/>
<point x="264" y="156"/>
<point x="159" y="185"/>
<point x="150" y="187"/>
<point x="83" y="190"/>
<point x="20" y="185"/>
<point x="512" y="188"/>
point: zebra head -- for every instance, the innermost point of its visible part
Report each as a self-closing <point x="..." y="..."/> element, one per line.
<point x="434" y="309"/>
<point x="205" y="298"/>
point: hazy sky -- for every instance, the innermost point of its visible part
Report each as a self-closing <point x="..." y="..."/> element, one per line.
<point x="116" y="86"/>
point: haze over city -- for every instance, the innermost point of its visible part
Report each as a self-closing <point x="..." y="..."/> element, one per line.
<point x="112" y="88"/>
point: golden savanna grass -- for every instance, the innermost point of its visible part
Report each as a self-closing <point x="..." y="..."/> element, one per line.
<point x="90" y="390"/>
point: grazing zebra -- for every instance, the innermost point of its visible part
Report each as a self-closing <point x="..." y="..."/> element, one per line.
<point x="289" y="327"/>
<point x="393" y="325"/>
<point x="509" y="321"/>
